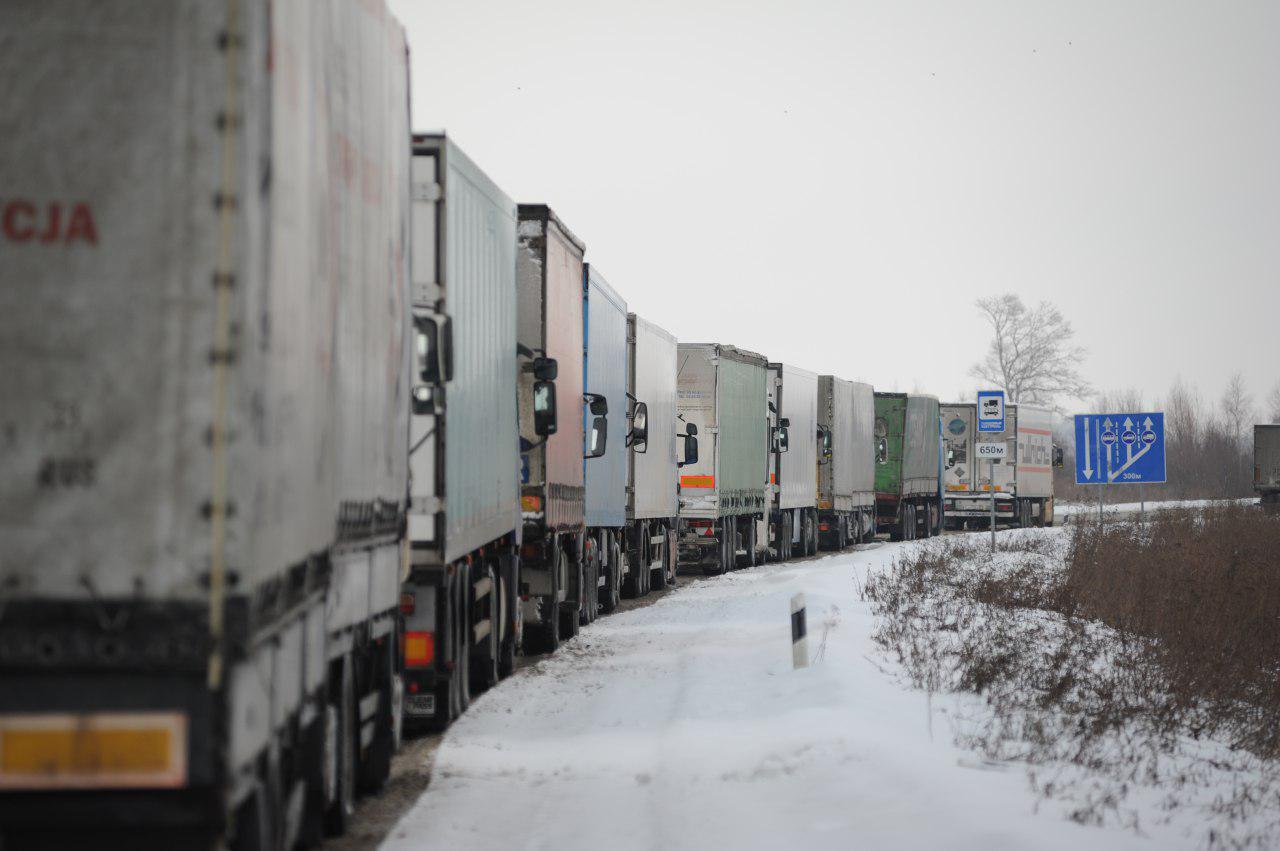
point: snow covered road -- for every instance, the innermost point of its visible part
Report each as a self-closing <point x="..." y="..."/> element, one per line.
<point x="683" y="725"/>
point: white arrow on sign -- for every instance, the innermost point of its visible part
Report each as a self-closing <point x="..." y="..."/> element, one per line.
<point x="1132" y="458"/>
<point x="1088" y="465"/>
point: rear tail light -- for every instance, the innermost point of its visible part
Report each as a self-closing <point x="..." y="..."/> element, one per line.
<point x="408" y="604"/>
<point x="419" y="649"/>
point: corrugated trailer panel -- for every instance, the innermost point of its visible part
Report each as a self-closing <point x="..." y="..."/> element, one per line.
<point x="1034" y="471"/>
<point x="606" y="375"/>
<point x="920" y="465"/>
<point x="110" y="289"/>
<point x="655" y="492"/>
<point x="473" y="274"/>
<point x="891" y="415"/>
<point x="835" y="413"/>
<point x="549" y="318"/>
<point x="798" y="465"/>
<point x="722" y="390"/>
<point x="1266" y="457"/>
<point x="864" y="445"/>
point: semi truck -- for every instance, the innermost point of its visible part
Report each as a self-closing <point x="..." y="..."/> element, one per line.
<point x="908" y="501"/>
<point x="204" y="302"/>
<point x="605" y="377"/>
<point x="559" y="563"/>
<point x="1022" y="481"/>
<point x="1266" y="465"/>
<point x="846" y="495"/>
<point x="793" y="520"/>
<point x="725" y="497"/>
<point x="460" y="602"/>
<point x="656" y="450"/>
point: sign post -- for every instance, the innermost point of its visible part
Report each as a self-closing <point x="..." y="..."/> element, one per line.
<point x="991" y="420"/>
<point x="1120" y="449"/>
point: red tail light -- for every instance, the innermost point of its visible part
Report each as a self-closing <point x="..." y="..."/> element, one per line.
<point x="407" y="603"/>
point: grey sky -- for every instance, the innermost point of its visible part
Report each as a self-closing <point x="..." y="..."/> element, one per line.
<point x="833" y="184"/>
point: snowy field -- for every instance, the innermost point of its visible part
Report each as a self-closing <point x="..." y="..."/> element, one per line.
<point x="683" y="725"/>
<point x="1063" y="511"/>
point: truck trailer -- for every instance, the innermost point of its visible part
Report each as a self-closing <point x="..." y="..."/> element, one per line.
<point x="460" y="602"/>
<point x="605" y="371"/>
<point x="908" y="501"/>
<point x="203" y="492"/>
<point x="793" y="405"/>
<point x="654" y="449"/>
<point x="559" y="564"/>
<point x="725" y="497"/>
<point x="1266" y="465"/>
<point x="847" y="464"/>
<point x="1022" y="482"/>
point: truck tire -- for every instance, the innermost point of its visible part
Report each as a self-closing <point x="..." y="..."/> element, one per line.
<point x="725" y="533"/>
<point x="484" y="659"/>
<point x="342" y="760"/>
<point x="613" y="575"/>
<point x="631" y="587"/>
<point x="898" y="531"/>
<point x="508" y="574"/>
<point x="571" y="611"/>
<point x="375" y="767"/>
<point x="748" y="559"/>
<point x="928" y="521"/>
<point x="908" y="522"/>
<point x="811" y="532"/>
<point x="590" y="582"/>
<point x="671" y="557"/>
<point x="660" y="578"/>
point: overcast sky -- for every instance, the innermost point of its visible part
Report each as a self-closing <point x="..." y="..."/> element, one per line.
<point x="833" y="184"/>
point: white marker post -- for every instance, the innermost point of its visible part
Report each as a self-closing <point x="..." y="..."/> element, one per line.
<point x="799" y="646"/>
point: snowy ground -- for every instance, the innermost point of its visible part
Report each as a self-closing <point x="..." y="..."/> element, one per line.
<point x="1064" y="510"/>
<point x="683" y="725"/>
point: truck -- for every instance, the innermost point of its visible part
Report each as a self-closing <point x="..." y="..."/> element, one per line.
<point x="1022" y="481"/>
<point x="656" y="450"/>
<point x="559" y="564"/>
<point x="908" y="469"/>
<point x="846" y="496"/>
<point x="460" y="601"/>
<point x="725" y="496"/>
<point x="204" y="410"/>
<point x="793" y="405"/>
<point x="1266" y="465"/>
<point x="605" y="332"/>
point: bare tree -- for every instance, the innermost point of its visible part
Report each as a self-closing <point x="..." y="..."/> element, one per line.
<point x="1237" y="407"/>
<point x="1273" y="403"/>
<point x="1031" y="355"/>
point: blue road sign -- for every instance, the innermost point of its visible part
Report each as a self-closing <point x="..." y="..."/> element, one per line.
<point x="990" y="410"/>
<point x="1119" y="449"/>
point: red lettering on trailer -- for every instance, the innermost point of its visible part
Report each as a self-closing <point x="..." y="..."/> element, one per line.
<point x="20" y="221"/>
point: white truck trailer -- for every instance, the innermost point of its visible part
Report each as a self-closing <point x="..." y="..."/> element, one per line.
<point x="1022" y="481"/>
<point x="846" y="463"/>
<point x="655" y="445"/>
<point x="460" y="602"/>
<point x="604" y="314"/>
<point x="725" y="497"/>
<point x="793" y="403"/>
<point x="204" y="407"/>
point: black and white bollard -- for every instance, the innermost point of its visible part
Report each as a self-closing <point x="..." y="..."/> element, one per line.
<point x="799" y="647"/>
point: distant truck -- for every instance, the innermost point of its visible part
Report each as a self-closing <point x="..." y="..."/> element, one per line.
<point x="1266" y="465"/>
<point x="460" y="602"/>
<point x="656" y="450"/>
<point x="559" y="563"/>
<point x="793" y="403"/>
<point x="605" y="374"/>
<point x="908" y="499"/>
<point x="1023" y="479"/>
<point x="724" y="495"/>
<point x="847" y="463"/>
<point x="205" y="415"/>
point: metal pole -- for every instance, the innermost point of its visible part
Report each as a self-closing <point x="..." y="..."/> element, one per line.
<point x="1142" y="506"/>
<point x="991" y="488"/>
<point x="1099" y="504"/>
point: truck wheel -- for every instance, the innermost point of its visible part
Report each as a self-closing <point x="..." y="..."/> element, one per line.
<point x="375" y="767"/>
<point x="342" y="740"/>
<point x="510" y="615"/>
<point x="717" y="567"/>
<point x="572" y="609"/>
<point x="748" y="559"/>
<point x="659" y="578"/>
<point x="670" y="557"/>
<point x="613" y="574"/>
<point x="631" y="587"/>
<point x="590" y="582"/>
<point x="926" y="530"/>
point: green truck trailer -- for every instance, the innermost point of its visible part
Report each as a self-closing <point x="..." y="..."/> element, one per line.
<point x="907" y="435"/>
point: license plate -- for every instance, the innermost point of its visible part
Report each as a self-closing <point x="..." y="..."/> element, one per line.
<point x="420" y="704"/>
<point x="97" y="750"/>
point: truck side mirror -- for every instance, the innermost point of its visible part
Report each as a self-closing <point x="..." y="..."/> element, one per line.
<point x="824" y="441"/>
<point x="599" y="437"/>
<point x="690" y="447"/>
<point x="546" y="369"/>
<point x="598" y="405"/>
<point x="433" y="347"/>
<point x="544" y="408"/>
<point x="1058" y="461"/>
<point x="640" y="428"/>
<point x="784" y="438"/>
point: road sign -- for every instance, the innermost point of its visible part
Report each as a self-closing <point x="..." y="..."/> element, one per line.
<point x="991" y="451"/>
<point x="1120" y="449"/>
<point x="990" y="410"/>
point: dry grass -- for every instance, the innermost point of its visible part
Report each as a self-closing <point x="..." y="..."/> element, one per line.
<point x="1111" y="659"/>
